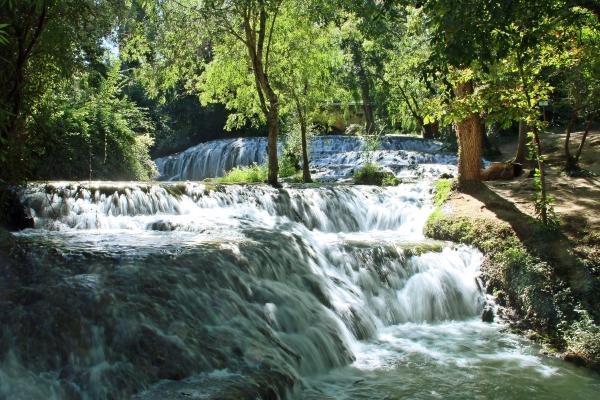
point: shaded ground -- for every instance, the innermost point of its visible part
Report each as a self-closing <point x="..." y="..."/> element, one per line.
<point x="577" y="200"/>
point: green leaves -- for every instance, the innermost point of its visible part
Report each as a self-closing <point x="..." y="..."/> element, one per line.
<point x="3" y="34"/>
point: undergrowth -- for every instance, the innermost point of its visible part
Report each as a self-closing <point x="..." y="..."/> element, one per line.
<point x="524" y="282"/>
<point x="256" y="173"/>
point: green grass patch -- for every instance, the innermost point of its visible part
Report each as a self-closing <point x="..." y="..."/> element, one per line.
<point x="442" y="190"/>
<point x="257" y="173"/>
<point x="251" y="174"/>
<point x="373" y="174"/>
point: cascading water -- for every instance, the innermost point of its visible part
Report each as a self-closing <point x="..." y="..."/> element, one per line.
<point x="173" y="290"/>
<point x="332" y="158"/>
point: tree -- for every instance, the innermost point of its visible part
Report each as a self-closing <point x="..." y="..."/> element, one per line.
<point x="42" y="41"/>
<point x="305" y="75"/>
<point x="410" y="88"/>
<point x="240" y="36"/>
<point x="580" y="82"/>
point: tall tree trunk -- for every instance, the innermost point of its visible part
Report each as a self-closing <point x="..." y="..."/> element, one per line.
<point x="305" y="162"/>
<point x="429" y="131"/>
<point x="303" y="131"/>
<point x="269" y="101"/>
<point x="468" y="132"/>
<point x="273" y="124"/>
<point x="570" y="163"/>
<point x="521" y="153"/>
<point x="583" y="138"/>
<point x="365" y="90"/>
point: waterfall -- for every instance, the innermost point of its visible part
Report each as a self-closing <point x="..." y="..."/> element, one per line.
<point x="332" y="157"/>
<point x="195" y="290"/>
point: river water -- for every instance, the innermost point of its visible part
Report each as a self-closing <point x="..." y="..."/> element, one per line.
<point x="190" y="290"/>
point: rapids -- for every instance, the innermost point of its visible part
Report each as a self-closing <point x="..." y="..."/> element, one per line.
<point x="332" y="158"/>
<point x="193" y="290"/>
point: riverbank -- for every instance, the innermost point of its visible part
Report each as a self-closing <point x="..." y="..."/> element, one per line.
<point x="546" y="282"/>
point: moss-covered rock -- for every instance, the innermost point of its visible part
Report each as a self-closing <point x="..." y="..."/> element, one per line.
<point x="374" y="174"/>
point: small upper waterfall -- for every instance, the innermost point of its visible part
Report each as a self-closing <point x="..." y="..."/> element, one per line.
<point x="332" y="157"/>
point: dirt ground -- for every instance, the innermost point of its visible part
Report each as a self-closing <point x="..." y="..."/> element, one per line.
<point x="577" y="198"/>
<point x="577" y="206"/>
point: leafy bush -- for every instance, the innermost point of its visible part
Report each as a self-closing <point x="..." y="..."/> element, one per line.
<point x="251" y="174"/>
<point x="92" y="132"/>
<point x="583" y="341"/>
<point x="373" y="174"/>
<point x="287" y="166"/>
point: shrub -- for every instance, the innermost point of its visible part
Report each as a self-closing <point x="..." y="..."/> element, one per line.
<point x="373" y="174"/>
<point x="583" y="342"/>
<point x="287" y="166"/>
<point x="251" y="174"/>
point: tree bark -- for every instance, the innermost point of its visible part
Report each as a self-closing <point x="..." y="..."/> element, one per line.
<point x="365" y="90"/>
<point x="429" y="131"/>
<point x="306" y="178"/>
<point x="273" y="125"/>
<point x="521" y="153"/>
<point x="570" y="163"/>
<point x="541" y="167"/>
<point x="305" y="162"/>
<point x="269" y="101"/>
<point x="468" y="132"/>
<point x="583" y="138"/>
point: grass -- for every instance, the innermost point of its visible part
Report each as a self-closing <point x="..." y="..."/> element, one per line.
<point x="251" y="174"/>
<point x="257" y="173"/>
<point x="442" y="190"/>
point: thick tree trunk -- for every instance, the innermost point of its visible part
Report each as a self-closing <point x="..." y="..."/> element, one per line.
<point x="570" y="163"/>
<point x="269" y="101"/>
<point x="429" y="131"/>
<point x="468" y="132"/>
<point x="521" y="153"/>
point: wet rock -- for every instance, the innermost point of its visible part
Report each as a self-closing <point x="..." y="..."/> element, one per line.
<point x="14" y="216"/>
<point x="163" y="226"/>
<point x="488" y="314"/>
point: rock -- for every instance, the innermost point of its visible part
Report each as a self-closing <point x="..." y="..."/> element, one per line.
<point x="14" y="216"/>
<point x="488" y="314"/>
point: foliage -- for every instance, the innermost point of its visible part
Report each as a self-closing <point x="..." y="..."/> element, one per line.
<point x="43" y="43"/>
<point x="287" y="166"/>
<point x="93" y="132"/>
<point x="256" y="173"/>
<point x="583" y="341"/>
<point x="442" y="190"/>
<point x="251" y="174"/>
<point x="411" y="90"/>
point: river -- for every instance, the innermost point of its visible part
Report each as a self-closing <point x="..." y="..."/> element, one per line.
<point x="173" y="290"/>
